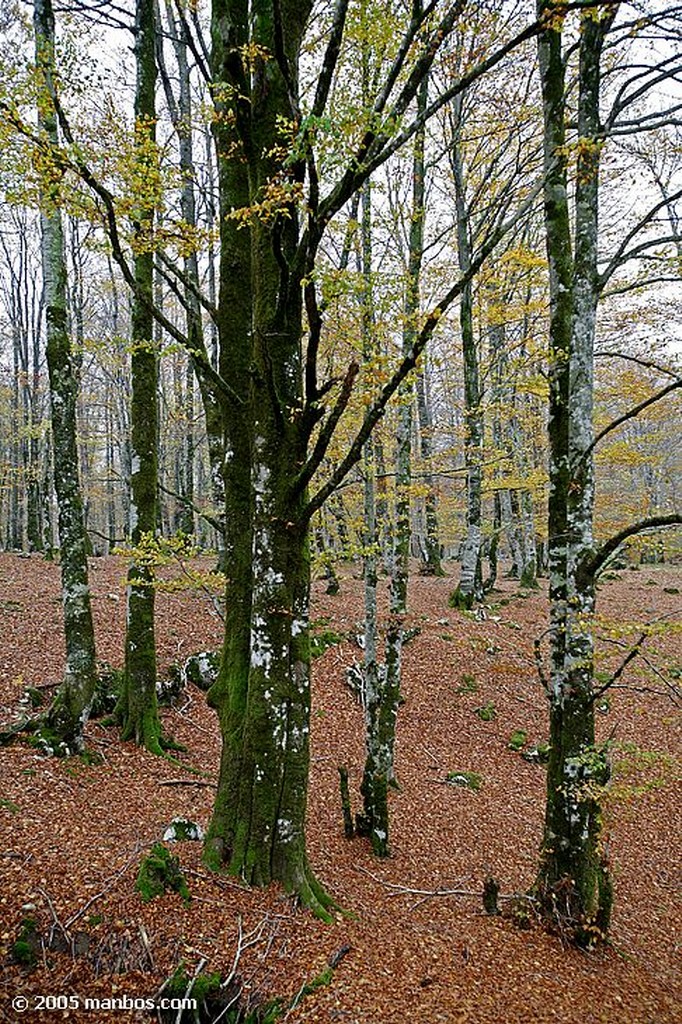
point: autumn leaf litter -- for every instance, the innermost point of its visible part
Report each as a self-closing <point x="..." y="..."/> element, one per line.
<point x="72" y="835"/>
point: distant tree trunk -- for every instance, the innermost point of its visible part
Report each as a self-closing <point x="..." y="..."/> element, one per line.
<point x="516" y="504"/>
<point x="382" y="698"/>
<point x="137" y="709"/>
<point x="428" y="531"/>
<point x="181" y="114"/>
<point x="573" y="882"/>
<point x="470" y="587"/>
<point x="15" y="531"/>
<point x="110" y="468"/>
<point x="34" y="500"/>
<point x="65" y="720"/>
<point x="373" y="821"/>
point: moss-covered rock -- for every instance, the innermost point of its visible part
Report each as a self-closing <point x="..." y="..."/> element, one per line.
<point x="201" y="669"/>
<point x="462" y="602"/>
<point x="160" y="872"/>
<point x="466" y="780"/>
<point x="183" y="830"/>
<point x="537" y="754"/>
<point x="34" y="697"/>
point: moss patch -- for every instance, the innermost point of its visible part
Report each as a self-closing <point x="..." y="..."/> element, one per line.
<point x="26" y="947"/>
<point x="486" y="712"/>
<point x="322" y="637"/>
<point x="517" y="740"/>
<point x="215" y="1002"/>
<point x="160" y="872"/>
<point x="468" y="684"/>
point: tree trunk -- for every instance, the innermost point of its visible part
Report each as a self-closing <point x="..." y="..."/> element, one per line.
<point x="428" y="531"/>
<point x="573" y="882"/>
<point x="262" y="694"/>
<point x="137" y="709"/>
<point x="64" y="722"/>
<point x="373" y="821"/>
<point x="383" y="696"/>
<point x="470" y="587"/>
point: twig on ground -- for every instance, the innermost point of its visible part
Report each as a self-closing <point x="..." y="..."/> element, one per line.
<point x="197" y="971"/>
<point x="435" y="761"/>
<point x="186" y="782"/>
<point x="147" y="945"/>
<point x="186" y="718"/>
<point x="427" y="894"/>
<point x="56" y="923"/>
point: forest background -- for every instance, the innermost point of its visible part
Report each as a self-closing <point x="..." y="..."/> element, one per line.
<point x="370" y="278"/>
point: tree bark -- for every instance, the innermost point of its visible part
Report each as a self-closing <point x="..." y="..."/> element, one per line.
<point x="573" y="882"/>
<point x="428" y="534"/>
<point x="262" y="694"/>
<point x="137" y="708"/>
<point x="64" y="722"/>
<point x="470" y="587"/>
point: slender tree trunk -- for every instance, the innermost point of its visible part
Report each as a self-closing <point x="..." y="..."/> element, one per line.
<point x="373" y="821"/>
<point x="181" y="113"/>
<point x="15" y="531"/>
<point x="137" y="708"/>
<point x="470" y="588"/>
<point x="64" y="722"/>
<point x="34" y="501"/>
<point x="382" y="703"/>
<point x="428" y="531"/>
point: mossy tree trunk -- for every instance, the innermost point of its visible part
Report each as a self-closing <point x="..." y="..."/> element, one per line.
<point x="66" y="718"/>
<point x="137" y="708"/>
<point x="262" y="694"/>
<point x="573" y="883"/>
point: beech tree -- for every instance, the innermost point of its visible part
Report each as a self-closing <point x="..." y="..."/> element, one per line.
<point x="62" y="726"/>
<point x="137" y="707"/>
<point x="574" y="883"/>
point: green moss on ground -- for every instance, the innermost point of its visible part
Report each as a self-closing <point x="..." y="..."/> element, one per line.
<point x="160" y="872"/>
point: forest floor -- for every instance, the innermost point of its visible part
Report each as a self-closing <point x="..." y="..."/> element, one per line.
<point x="72" y="834"/>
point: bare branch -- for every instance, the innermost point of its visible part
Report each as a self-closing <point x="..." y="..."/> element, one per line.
<point x="622" y="254"/>
<point x="377" y="408"/>
<point x="594" y="562"/>
<point x="330" y="59"/>
<point x="629" y="415"/>
<point x="646" y="363"/>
